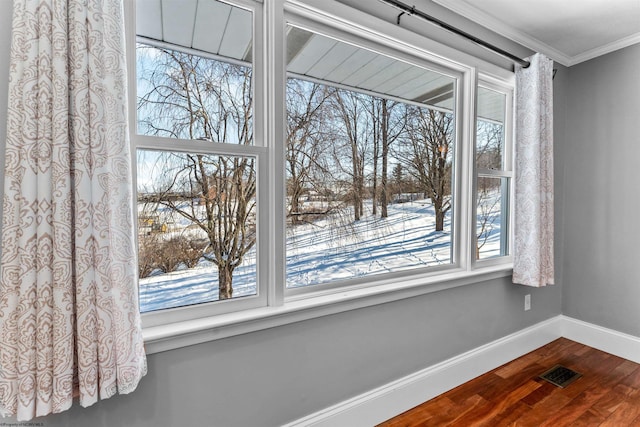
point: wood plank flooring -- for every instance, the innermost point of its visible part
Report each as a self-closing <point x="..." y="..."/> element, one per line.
<point x="607" y="394"/>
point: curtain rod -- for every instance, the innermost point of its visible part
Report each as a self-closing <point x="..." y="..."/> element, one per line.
<point x="411" y="10"/>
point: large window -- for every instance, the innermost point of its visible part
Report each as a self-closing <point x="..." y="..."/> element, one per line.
<point x="370" y="159"/>
<point x="493" y="168"/>
<point x="339" y="160"/>
<point x="197" y="164"/>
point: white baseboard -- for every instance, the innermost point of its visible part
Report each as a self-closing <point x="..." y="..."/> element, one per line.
<point x="614" y="342"/>
<point x="398" y="396"/>
<point x="385" y="402"/>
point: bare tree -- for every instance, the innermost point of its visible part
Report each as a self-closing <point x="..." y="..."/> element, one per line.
<point x="169" y="255"/>
<point x="148" y="251"/>
<point x="304" y="149"/>
<point x="429" y="138"/>
<point x="392" y="122"/>
<point x="488" y="203"/>
<point x="190" y="97"/>
<point x="376" y="136"/>
<point x="398" y="179"/>
<point x="489" y="137"/>
<point x="350" y="110"/>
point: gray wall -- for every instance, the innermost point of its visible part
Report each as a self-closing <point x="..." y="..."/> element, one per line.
<point x="270" y="377"/>
<point x="560" y="135"/>
<point x="601" y="278"/>
<point x="274" y="376"/>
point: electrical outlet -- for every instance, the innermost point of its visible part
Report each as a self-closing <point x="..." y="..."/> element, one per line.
<point x="527" y="302"/>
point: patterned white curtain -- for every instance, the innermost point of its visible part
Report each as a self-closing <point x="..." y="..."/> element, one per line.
<point x="69" y="320"/>
<point x="533" y="227"/>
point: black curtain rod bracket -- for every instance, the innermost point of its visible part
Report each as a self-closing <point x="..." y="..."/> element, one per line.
<point x="411" y="10"/>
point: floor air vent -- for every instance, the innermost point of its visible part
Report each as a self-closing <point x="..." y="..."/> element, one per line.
<point x="560" y="376"/>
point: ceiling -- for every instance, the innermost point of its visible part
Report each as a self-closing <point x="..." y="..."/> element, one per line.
<point x="567" y="31"/>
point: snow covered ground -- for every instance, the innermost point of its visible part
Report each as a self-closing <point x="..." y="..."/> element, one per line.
<point x="325" y="251"/>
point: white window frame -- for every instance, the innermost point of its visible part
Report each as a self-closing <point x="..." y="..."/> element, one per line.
<point x="331" y="28"/>
<point x="496" y="85"/>
<point x="274" y="305"/>
<point x="257" y="150"/>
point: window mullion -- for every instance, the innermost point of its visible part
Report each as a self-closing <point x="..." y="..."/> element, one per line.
<point x="466" y="235"/>
<point x="274" y="83"/>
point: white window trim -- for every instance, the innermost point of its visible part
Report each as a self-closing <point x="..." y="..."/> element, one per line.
<point x="257" y="150"/>
<point x="328" y="26"/>
<point x="166" y="331"/>
<point x="180" y="334"/>
<point x="490" y="82"/>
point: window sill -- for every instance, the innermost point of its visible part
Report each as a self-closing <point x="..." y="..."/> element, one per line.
<point x="197" y="331"/>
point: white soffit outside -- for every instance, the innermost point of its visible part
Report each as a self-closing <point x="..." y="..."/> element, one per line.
<point x="217" y="29"/>
<point x="567" y="31"/>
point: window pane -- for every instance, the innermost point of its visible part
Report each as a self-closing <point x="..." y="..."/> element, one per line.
<point x="490" y="129"/>
<point x="196" y="228"/>
<point x="194" y="79"/>
<point x="491" y="217"/>
<point x="369" y="155"/>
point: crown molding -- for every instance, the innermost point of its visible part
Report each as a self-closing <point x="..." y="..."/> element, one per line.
<point x="607" y="48"/>
<point x="476" y="15"/>
<point x="468" y="11"/>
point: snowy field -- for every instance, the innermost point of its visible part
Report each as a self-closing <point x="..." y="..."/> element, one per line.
<point x="325" y="251"/>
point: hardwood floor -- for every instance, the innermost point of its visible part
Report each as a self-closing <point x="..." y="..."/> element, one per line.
<point x="607" y="394"/>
